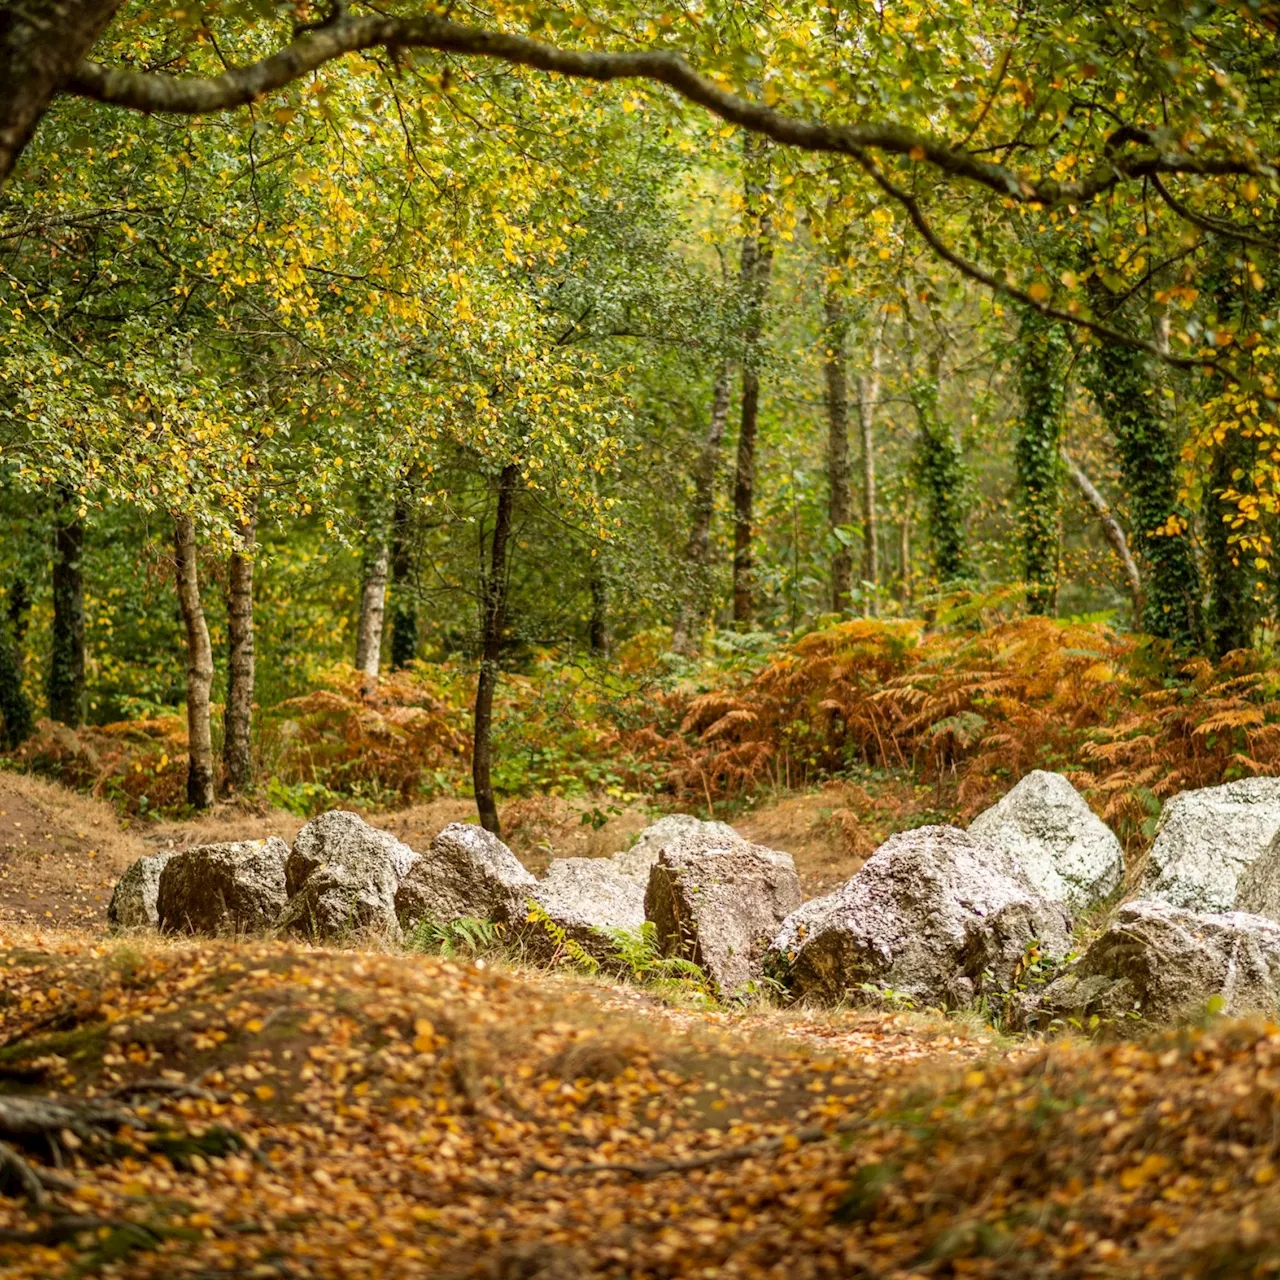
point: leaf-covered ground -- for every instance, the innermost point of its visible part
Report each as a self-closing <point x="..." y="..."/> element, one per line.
<point x="370" y="1115"/>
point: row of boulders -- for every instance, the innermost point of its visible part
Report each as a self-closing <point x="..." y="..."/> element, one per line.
<point x="937" y="916"/>
<point x="714" y="897"/>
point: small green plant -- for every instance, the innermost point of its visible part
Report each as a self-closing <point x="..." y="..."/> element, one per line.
<point x="887" y="997"/>
<point x="467" y="936"/>
<point x="564" y="945"/>
<point x="639" y="957"/>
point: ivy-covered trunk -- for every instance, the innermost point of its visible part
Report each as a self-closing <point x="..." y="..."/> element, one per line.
<point x="1121" y="381"/>
<point x="493" y="615"/>
<point x="66" y="660"/>
<point x="941" y="474"/>
<point x="839" y="491"/>
<point x="237" y="756"/>
<point x="1042" y="349"/>
<point x="199" y="664"/>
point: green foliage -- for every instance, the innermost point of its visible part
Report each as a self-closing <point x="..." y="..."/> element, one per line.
<point x="640" y="957"/>
<point x="564" y="947"/>
<point x="466" y="936"/>
<point x="942" y="477"/>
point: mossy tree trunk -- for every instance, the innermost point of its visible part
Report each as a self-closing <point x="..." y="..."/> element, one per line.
<point x="694" y="608"/>
<point x="1042" y="350"/>
<point x="1235" y="598"/>
<point x="756" y="268"/>
<point x="404" y="604"/>
<point x="868" y="396"/>
<point x="17" y="715"/>
<point x="493" y="616"/>
<point x="66" y="660"/>
<point x="839" y="488"/>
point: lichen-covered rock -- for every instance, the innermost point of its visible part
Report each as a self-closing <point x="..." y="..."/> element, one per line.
<point x="583" y="897"/>
<point x="133" y="901"/>
<point x="1162" y="963"/>
<point x="639" y="859"/>
<point x="719" y="903"/>
<point x="1207" y="838"/>
<point x="465" y="871"/>
<point x="1067" y="852"/>
<point x="236" y="887"/>
<point x="1258" y="888"/>
<point x="933" y="915"/>
<point x="343" y="837"/>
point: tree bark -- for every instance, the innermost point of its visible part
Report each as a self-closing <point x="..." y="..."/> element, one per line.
<point x="1112" y="529"/>
<point x="199" y="664"/>
<point x="904" y="560"/>
<point x="694" y="609"/>
<point x="598" y="627"/>
<point x="66" y="662"/>
<point x="839" y="490"/>
<point x="404" y="613"/>
<point x="17" y="716"/>
<point x="868" y="396"/>
<point x="756" y="266"/>
<point x="493" y="598"/>
<point x="373" y="599"/>
<point x="237" y="757"/>
<point x="41" y="44"/>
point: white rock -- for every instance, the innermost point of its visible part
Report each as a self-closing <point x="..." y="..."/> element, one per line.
<point x="1067" y="852"/>
<point x="640" y="858"/>
<point x="133" y="902"/>
<point x="1207" y="838"/>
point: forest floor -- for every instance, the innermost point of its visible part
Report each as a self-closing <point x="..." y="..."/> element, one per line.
<point x="279" y="1111"/>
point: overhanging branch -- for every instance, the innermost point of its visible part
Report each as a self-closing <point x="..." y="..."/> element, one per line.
<point x="193" y="95"/>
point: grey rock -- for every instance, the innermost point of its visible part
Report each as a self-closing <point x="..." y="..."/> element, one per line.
<point x="344" y="838"/>
<point x="465" y="871"/>
<point x="719" y="902"/>
<point x="583" y="896"/>
<point x="1258" y="888"/>
<point x="1162" y="963"/>
<point x="930" y="915"/>
<point x="236" y="887"/>
<point x="133" y="901"/>
<point x="1207" y="838"/>
<point x="639" y="859"/>
<point x="1067" y="852"/>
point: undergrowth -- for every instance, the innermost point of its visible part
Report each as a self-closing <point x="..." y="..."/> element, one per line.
<point x="964" y="711"/>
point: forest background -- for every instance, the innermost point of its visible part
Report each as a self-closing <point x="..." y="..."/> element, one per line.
<point x="434" y="425"/>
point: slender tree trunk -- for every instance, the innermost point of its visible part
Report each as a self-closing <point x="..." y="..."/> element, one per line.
<point x="41" y="44"/>
<point x="1112" y="529"/>
<point x="492" y="622"/>
<point x="17" y="716"/>
<point x="839" y="490"/>
<point x="694" y="609"/>
<point x="868" y="396"/>
<point x="757" y="264"/>
<point x="404" y="612"/>
<point x="66" y="663"/>
<point x="373" y="599"/>
<point x="904" y="560"/>
<point x="237" y="758"/>
<point x="1235" y="607"/>
<point x="598" y="628"/>
<point x="199" y="664"/>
